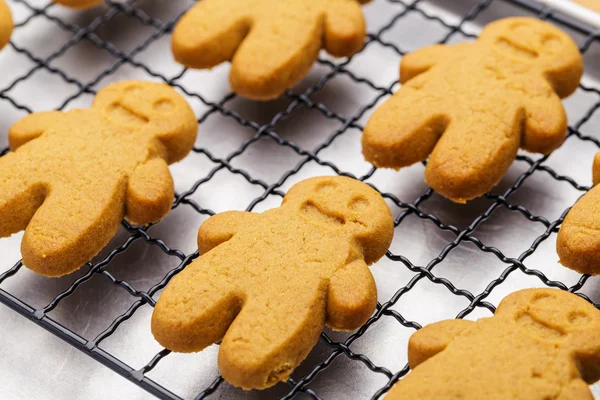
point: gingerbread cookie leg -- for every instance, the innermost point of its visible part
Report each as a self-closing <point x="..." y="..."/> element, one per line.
<point x="273" y="333"/>
<point x="221" y="227"/>
<point x="196" y="308"/>
<point x="210" y="33"/>
<point x="150" y="192"/>
<point x="71" y="227"/>
<point x="264" y="67"/>
<point x="472" y="156"/>
<point x="344" y="28"/>
<point x="390" y="141"/>
<point x="352" y="296"/>
<point x="433" y="338"/>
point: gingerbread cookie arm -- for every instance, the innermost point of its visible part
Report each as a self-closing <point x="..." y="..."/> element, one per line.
<point x="344" y="27"/>
<point x="352" y="296"/>
<point x="221" y="227"/>
<point x="579" y="236"/>
<point x="404" y="130"/>
<point x="149" y="192"/>
<point x="545" y="120"/>
<point x="419" y="61"/>
<point x="210" y="33"/>
<point x="433" y="338"/>
<point x="31" y="127"/>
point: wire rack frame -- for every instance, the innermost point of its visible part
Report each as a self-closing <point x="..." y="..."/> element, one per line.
<point x="297" y="100"/>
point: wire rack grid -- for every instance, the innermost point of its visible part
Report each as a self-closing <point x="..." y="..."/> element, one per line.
<point x="462" y="232"/>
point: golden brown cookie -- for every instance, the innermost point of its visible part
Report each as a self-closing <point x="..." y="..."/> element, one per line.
<point x="271" y="43"/>
<point x="73" y="176"/>
<point x="578" y="241"/>
<point x="6" y="24"/>
<point x="470" y="106"/>
<point x="79" y="4"/>
<point x="266" y="284"/>
<point x="541" y="344"/>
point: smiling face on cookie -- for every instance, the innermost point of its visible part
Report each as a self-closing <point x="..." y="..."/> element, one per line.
<point x="553" y="316"/>
<point x="529" y="41"/>
<point x="157" y="110"/>
<point x="353" y="206"/>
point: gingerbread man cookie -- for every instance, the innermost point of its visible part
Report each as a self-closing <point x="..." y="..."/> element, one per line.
<point x="79" y="4"/>
<point x="73" y="176"/>
<point x="266" y="284"/>
<point x="6" y="24"/>
<point x="470" y="106"/>
<point x="271" y="43"/>
<point x="578" y="242"/>
<point x="541" y="344"/>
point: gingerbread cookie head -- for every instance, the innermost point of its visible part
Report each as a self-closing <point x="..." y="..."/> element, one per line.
<point x="578" y="242"/>
<point x="540" y="344"/>
<point x="356" y="207"/>
<point x="266" y="284"/>
<point x="271" y="44"/>
<point x="505" y="93"/>
<point x="6" y="24"/>
<point x="73" y="176"/>
<point x="79" y="4"/>
<point x="156" y="110"/>
<point x="540" y="45"/>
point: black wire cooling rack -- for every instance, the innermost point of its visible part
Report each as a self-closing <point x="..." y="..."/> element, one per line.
<point x="301" y="383"/>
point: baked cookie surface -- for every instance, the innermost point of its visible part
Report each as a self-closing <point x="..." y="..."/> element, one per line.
<point x="541" y="344"/>
<point x="470" y="106"/>
<point x="6" y="23"/>
<point x="271" y="43"/>
<point x="266" y="284"/>
<point x="578" y="241"/>
<point x="72" y="177"/>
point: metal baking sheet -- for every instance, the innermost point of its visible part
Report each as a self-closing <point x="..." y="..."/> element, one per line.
<point x="56" y="64"/>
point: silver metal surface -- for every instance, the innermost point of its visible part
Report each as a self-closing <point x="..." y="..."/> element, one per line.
<point x="34" y="364"/>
